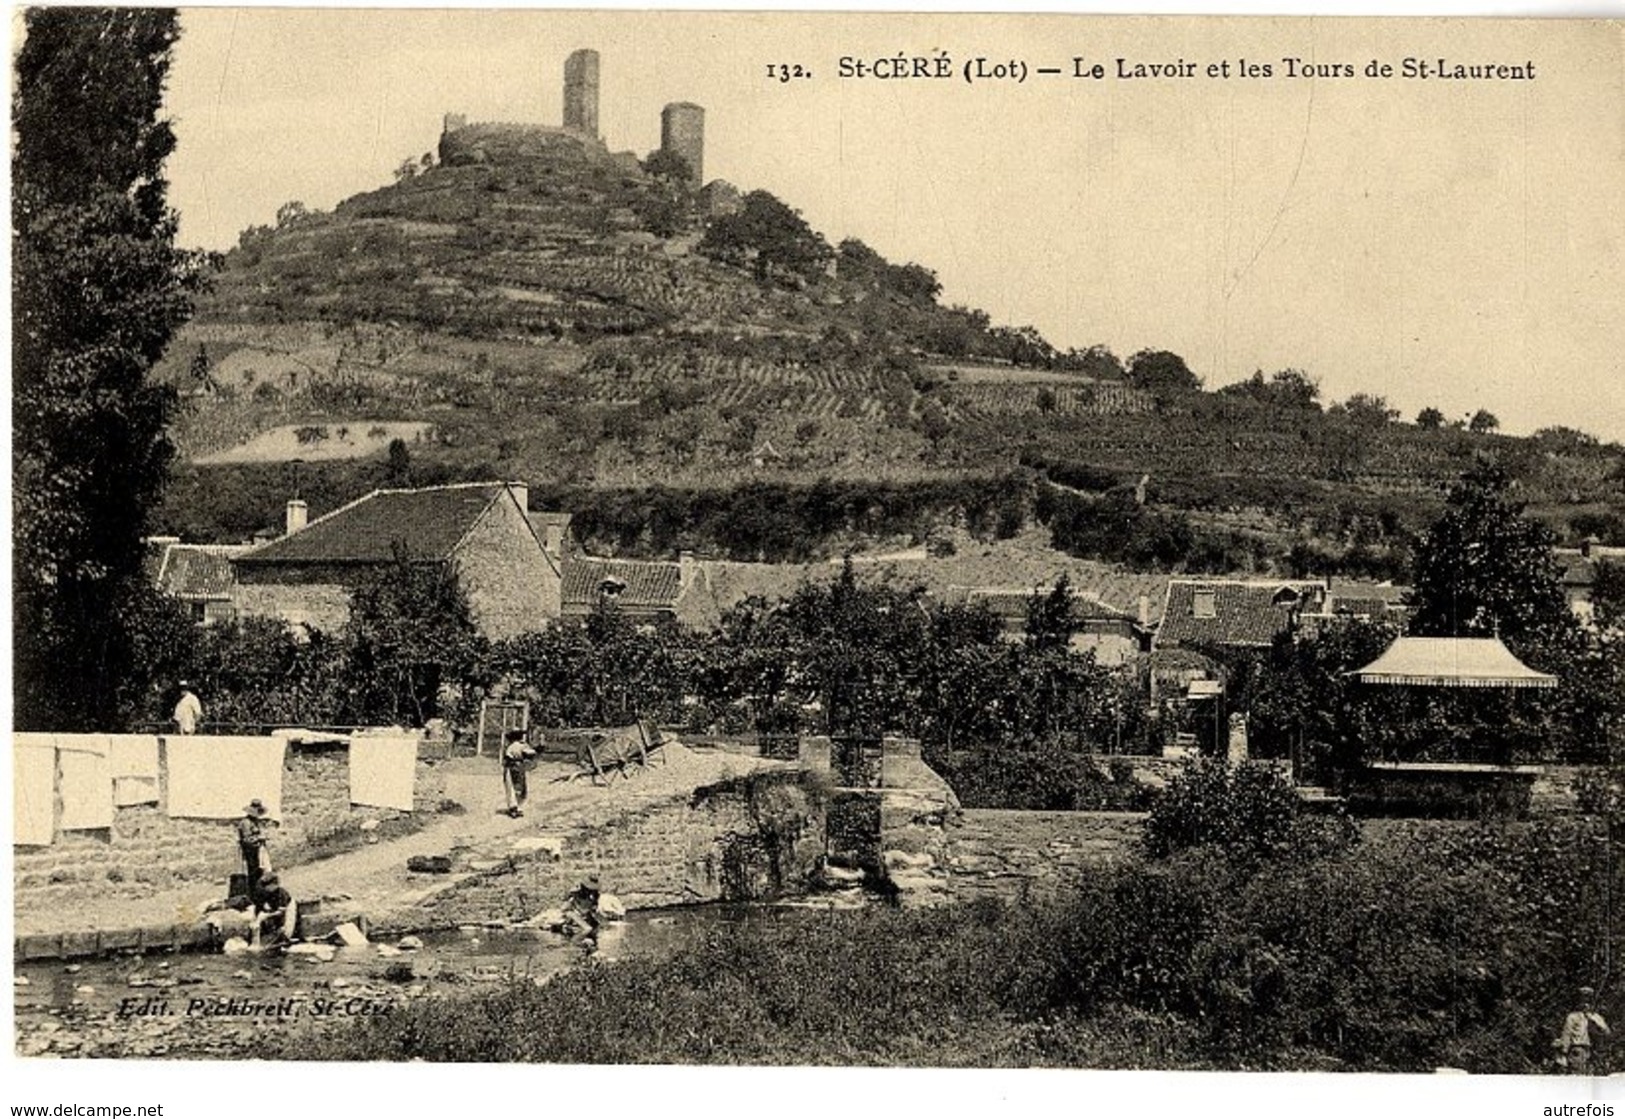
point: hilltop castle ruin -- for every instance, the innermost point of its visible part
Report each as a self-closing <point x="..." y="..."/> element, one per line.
<point x="682" y="126"/>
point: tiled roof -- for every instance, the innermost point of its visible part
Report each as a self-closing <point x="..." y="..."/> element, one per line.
<point x="198" y="571"/>
<point x="154" y="549"/>
<point x="1340" y="590"/>
<point x="648" y="584"/>
<point x="1012" y="603"/>
<point x="1359" y="607"/>
<point x="1244" y="613"/>
<point x="428" y="522"/>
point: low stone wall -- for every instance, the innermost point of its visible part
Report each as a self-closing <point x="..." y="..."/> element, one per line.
<point x="995" y="852"/>
<point x="146" y="852"/>
<point x="699" y="847"/>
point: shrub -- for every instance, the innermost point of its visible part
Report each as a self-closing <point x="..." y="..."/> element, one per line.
<point x="1249" y="812"/>
<point x="1446" y="946"/>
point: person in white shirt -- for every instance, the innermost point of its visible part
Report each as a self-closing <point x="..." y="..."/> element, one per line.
<point x="1574" y="1043"/>
<point x="188" y="711"/>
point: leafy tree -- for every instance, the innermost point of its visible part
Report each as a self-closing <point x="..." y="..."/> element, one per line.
<point x="914" y="282"/>
<point x="1288" y="388"/>
<point x="290" y="214"/>
<point x="1430" y="419"/>
<point x="1484" y="568"/>
<point x="410" y="630"/>
<point x="856" y="261"/>
<point x="1369" y="410"/>
<point x="934" y="423"/>
<point x="1608" y="597"/>
<point x="1163" y="374"/>
<point x="1021" y="345"/>
<point x="1097" y="361"/>
<point x="770" y="236"/>
<point x="666" y="164"/>
<point x="1566" y="440"/>
<point x="398" y="467"/>
<point x="1052" y="618"/>
<point x="99" y="288"/>
<point x="1046" y="400"/>
<point x="1483" y="422"/>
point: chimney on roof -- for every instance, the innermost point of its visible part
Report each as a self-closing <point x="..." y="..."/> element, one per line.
<point x="1204" y="603"/>
<point x="298" y="516"/>
<point x="521" y="494"/>
<point x="1145" y="611"/>
<point x="686" y="568"/>
<point x="1587" y="545"/>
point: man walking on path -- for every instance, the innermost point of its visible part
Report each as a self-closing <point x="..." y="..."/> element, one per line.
<point x="188" y="711"/>
<point x="516" y="755"/>
<point x="1574" y="1043"/>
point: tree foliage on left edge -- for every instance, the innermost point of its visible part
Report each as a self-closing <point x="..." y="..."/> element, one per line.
<point x="98" y="290"/>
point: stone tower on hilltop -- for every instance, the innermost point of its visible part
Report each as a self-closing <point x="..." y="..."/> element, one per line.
<point x="682" y="132"/>
<point x="581" y="91"/>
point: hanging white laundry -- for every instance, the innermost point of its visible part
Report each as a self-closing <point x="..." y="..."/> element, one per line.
<point x="85" y="782"/>
<point x="383" y="770"/>
<point x="214" y="778"/>
<point x="133" y="759"/>
<point x="133" y="755"/>
<point x="33" y="789"/>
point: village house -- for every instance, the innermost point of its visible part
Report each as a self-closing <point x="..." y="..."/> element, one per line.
<point x="1579" y="573"/>
<point x="198" y="575"/>
<point x="645" y="591"/>
<point x="1116" y="635"/>
<point x="305" y="577"/>
<point x="1202" y="617"/>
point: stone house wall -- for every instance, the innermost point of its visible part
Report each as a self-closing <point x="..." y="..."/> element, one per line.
<point x="323" y="606"/>
<point x="513" y="587"/>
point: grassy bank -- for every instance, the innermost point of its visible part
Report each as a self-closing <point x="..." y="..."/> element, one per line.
<point x="1400" y="956"/>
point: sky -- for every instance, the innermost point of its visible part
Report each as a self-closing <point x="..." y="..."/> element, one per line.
<point x="1450" y="243"/>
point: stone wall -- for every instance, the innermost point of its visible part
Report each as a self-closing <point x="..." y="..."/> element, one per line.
<point x="513" y="587"/>
<point x="1006" y="852"/>
<point x="146" y="852"/>
<point x="323" y="606"/>
<point x="934" y="851"/>
<point x="677" y="852"/>
<point x="516" y="143"/>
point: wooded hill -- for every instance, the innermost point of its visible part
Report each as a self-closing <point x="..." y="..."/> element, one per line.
<point x="622" y="340"/>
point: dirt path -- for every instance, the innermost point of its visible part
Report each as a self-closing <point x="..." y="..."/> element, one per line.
<point x="374" y="877"/>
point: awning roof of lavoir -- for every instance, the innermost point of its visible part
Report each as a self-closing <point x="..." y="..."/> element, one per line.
<point x="1452" y="662"/>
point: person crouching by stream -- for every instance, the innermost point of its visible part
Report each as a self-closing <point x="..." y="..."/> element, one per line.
<point x="253" y="838"/>
<point x="516" y="758"/>
<point x="581" y="908"/>
<point x="275" y="914"/>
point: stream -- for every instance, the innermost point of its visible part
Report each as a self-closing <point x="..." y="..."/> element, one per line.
<point x="192" y="1005"/>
